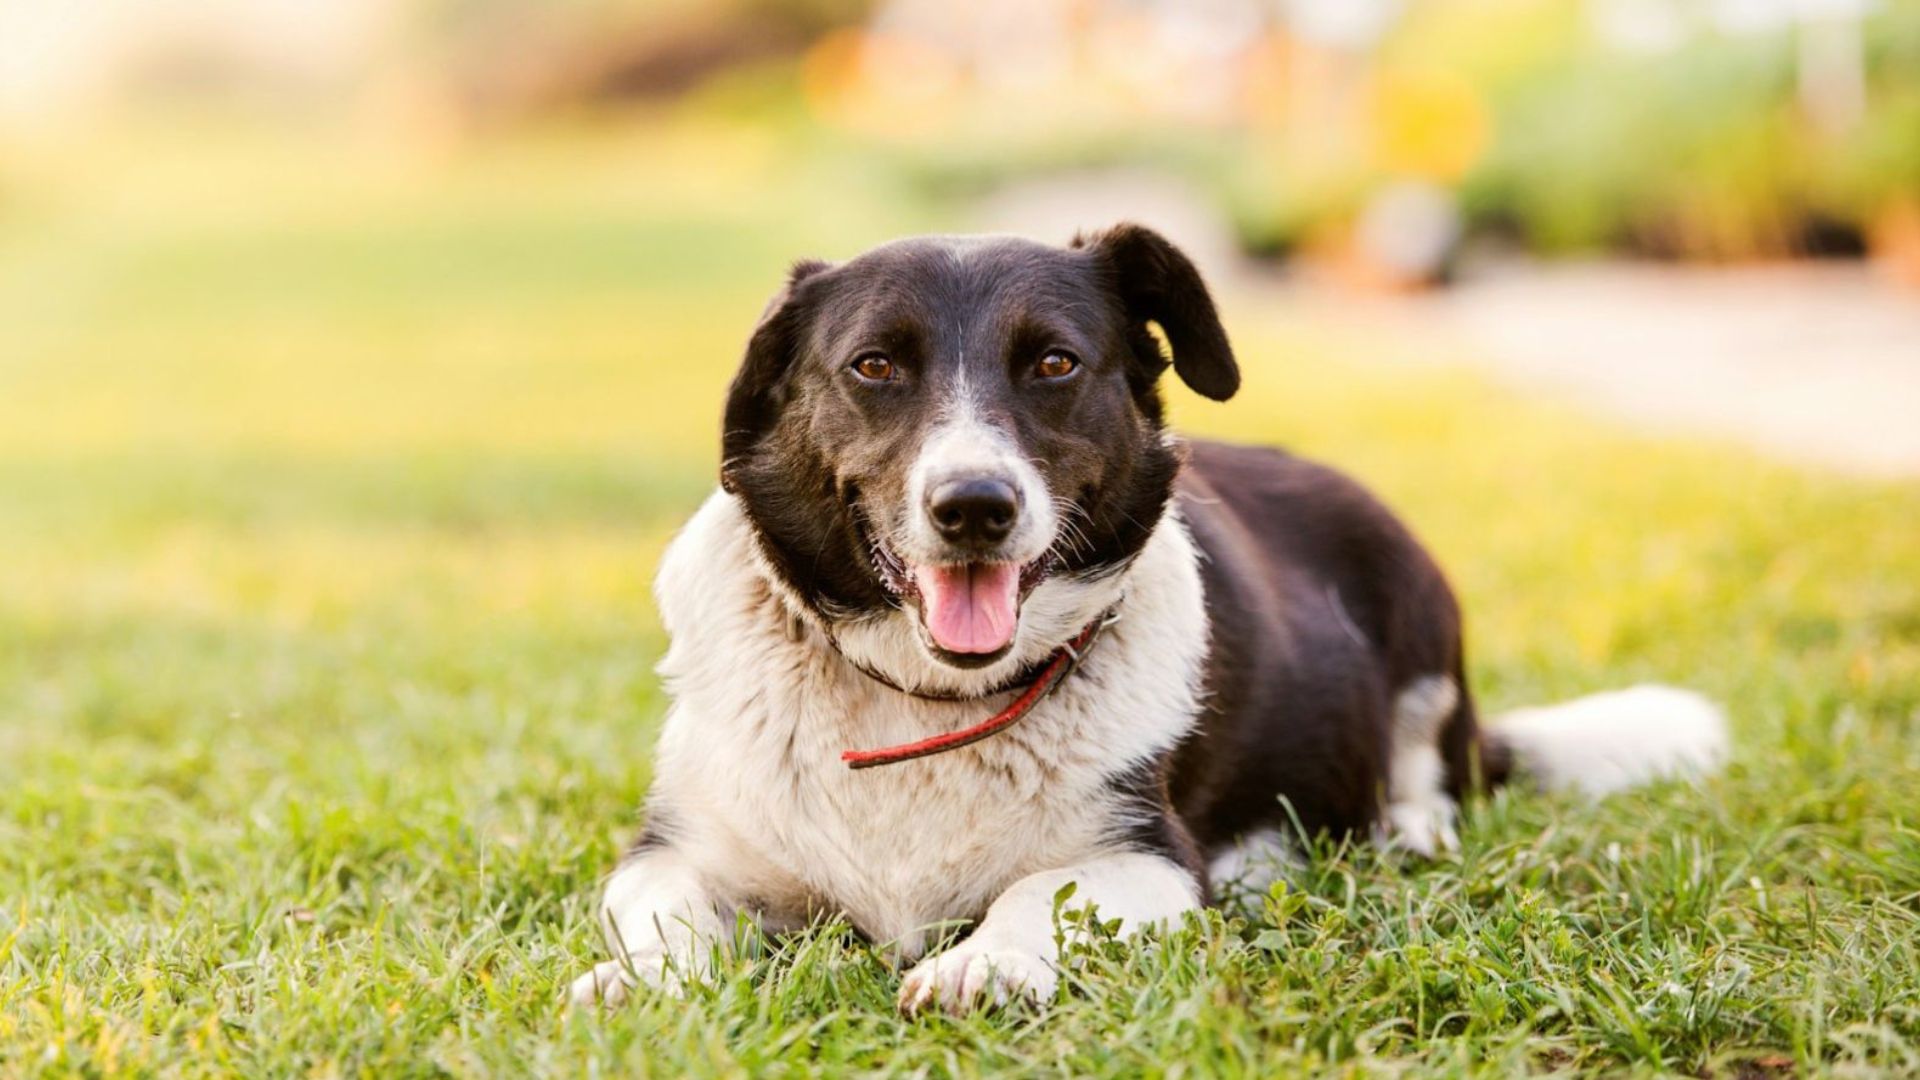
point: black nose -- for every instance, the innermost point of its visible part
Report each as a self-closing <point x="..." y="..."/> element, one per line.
<point x="973" y="510"/>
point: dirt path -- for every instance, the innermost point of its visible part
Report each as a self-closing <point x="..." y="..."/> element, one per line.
<point x="1814" y="363"/>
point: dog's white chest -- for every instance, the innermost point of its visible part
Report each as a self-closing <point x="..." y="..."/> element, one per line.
<point x="899" y="848"/>
<point x="749" y="770"/>
<point x="905" y="847"/>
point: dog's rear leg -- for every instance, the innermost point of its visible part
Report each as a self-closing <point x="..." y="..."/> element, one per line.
<point x="662" y="924"/>
<point x="1422" y="796"/>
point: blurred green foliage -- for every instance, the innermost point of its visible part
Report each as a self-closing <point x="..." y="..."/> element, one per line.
<point x="1704" y="148"/>
<point x="1701" y="152"/>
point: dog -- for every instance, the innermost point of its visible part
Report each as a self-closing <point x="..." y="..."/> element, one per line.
<point x="965" y="623"/>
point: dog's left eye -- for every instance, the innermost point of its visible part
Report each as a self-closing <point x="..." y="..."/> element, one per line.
<point x="874" y="368"/>
<point x="1056" y="365"/>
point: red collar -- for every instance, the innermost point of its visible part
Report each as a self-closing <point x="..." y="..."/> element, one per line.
<point x="1058" y="667"/>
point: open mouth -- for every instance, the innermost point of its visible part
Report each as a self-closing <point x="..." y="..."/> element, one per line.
<point x="969" y="610"/>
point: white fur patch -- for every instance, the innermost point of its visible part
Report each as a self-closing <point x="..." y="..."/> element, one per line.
<point x="1609" y="742"/>
<point x="1419" y="813"/>
<point x="748" y="770"/>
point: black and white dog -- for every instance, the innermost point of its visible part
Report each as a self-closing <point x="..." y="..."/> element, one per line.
<point x="948" y="492"/>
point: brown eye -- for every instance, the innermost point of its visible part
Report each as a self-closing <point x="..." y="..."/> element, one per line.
<point x="1056" y="365"/>
<point x="873" y="367"/>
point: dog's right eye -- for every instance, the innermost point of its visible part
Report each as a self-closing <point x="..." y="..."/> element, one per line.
<point x="873" y="367"/>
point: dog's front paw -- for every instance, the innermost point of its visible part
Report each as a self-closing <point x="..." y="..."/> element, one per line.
<point x="969" y="975"/>
<point x="612" y="982"/>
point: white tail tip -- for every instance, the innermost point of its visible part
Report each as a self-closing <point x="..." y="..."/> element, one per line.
<point x="1609" y="742"/>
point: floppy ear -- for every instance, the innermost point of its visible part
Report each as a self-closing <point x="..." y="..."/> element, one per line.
<point x="753" y="402"/>
<point x="1159" y="284"/>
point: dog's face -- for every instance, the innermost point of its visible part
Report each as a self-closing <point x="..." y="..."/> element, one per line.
<point x="940" y="425"/>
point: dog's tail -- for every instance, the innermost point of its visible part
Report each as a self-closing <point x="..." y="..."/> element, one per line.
<point x="1609" y="742"/>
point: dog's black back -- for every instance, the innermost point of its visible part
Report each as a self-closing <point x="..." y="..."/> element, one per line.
<point x="1322" y="607"/>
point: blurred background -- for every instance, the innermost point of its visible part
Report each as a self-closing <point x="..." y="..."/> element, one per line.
<point x="1703" y="214"/>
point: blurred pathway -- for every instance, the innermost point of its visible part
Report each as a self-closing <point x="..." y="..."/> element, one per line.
<point x="1815" y="363"/>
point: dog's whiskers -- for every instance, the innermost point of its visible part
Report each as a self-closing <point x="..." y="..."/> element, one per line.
<point x="1071" y="537"/>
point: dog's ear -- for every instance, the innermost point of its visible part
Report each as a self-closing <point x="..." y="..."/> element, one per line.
<point x="754" y="400"/>
<point x="1157" y="283"/>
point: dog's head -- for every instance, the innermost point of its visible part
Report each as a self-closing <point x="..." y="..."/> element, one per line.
<point x="941" y="426"/>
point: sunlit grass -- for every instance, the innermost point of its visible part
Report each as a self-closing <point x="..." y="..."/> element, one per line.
<point x="325" y="650"/>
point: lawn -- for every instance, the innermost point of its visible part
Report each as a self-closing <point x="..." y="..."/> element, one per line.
<point x="330" y="488"/>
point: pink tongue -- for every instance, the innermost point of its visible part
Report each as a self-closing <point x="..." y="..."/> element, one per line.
<point x="970" y="609"/>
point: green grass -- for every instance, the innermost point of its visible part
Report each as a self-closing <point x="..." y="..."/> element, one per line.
<point x="325" y="647"/>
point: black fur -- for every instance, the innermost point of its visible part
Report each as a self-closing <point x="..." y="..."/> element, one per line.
<point x="1322" y="608"/>
<point x="1157" y="283"/>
